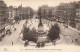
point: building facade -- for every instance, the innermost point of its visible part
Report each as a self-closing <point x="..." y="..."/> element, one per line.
<point x="27" y="12"/>
<point x="11" y="13"/>
<point x="77" y="19"/>
<point x="3" y="18"/>
<point x="46" y="11"/>
<point x="67" y="13"/>
<point x="19" y="12"/>
<point x="3" y="9"/>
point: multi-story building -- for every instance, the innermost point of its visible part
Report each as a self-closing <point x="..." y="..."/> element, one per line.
<point x="24" y="12"/>
<point x="77" y="19"/>
<point x="11" y="12"/>
<point x="46" y="12"/>
<point x="67" y="13"/>
<point x="20" y="12"/>
<point x="3" y="9"/>
<point x="3" y="18"/>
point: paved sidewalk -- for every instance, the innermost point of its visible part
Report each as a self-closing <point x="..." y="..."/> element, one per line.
<point x="74" y="29"/>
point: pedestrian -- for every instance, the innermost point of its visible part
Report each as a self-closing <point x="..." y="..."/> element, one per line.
<point x="54" y="42"/>
<point x="14" y="29"/>
<point x="76" y="40"/>
<point x="38" y="44"/>
<point x="72" y="41"/>
<point x="12" y="43"/>
<point x="26" y="43"/>
<point x="42" y="44"/>
<point x="13" y="26"/>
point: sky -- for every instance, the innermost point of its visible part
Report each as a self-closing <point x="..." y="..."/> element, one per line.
<point x="36" y="3"/>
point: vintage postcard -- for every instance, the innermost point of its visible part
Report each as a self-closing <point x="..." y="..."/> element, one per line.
<point x="39" y="26"/>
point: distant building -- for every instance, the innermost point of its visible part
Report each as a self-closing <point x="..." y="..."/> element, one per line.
<point x="46" y="12"/>
<point x="3" y="18"/>
<point x="11" y="13"/>
<point x="21" y="12"/>
<point x="3" y="9"/>
<point x="77" y="19"/>
<point x="67" y="13"/>
<point x="25" y="12"/>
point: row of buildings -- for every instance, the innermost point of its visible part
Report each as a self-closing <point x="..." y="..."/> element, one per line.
<point x="46" y="11"/>
<point x="9" y="14"/>
<point x="21" y="12"/>
<point x="3" y="10"/>
<point x="67" y="13"/>
<point x="3" y="17"/>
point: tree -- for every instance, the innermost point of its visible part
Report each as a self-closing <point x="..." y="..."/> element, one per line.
<point x="54" y="32"/>
<point x="33" y="35"/>
<point x="25" y="32"/>
<point x="29" y="35"/>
